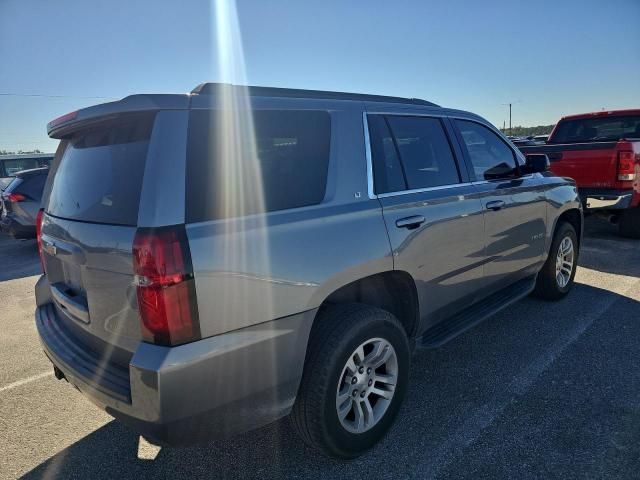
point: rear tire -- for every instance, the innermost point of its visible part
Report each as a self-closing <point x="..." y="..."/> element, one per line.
<point x="629" y="223"/>
<point x="336" y="380"/>
<point x="555" y="279"/>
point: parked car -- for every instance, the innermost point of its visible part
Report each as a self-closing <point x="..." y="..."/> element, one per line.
<point x="601" y="151"/>
<point x="309" y="244"/>
<point x="12" y="164"/>
<point x="522" y="141"/>
<point x="20" y="202"/>
<point x="540" y="138"/>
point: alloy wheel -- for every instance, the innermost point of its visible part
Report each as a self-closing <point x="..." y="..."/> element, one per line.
<point x="367" y="385"/>
<point x="564" y="262"/>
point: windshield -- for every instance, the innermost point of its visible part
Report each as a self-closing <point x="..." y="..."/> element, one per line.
<point x="597" y="128"/>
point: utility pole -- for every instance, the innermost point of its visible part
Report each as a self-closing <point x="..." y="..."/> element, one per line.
<point x="510" y="126"/>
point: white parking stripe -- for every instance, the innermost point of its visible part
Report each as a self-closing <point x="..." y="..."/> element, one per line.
<point x="474" y="424"/>
<point x="25" y="380"/>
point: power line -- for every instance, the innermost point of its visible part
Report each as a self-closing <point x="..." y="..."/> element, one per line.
<point x="42" y="95"/>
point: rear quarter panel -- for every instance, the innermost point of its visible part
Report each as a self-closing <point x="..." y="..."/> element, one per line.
<point x="262" y="267"/>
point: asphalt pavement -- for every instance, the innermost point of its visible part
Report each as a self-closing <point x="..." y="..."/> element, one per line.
<point x="540" y="390"/>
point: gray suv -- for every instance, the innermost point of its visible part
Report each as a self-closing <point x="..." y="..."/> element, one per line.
<point x="218" y="260"/>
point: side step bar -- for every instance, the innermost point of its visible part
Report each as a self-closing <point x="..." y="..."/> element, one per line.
<point x="452" y="327"/>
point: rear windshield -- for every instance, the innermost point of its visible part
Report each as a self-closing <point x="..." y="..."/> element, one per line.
<point x="254" y="162"/>
<point x="597" y="129"/>
<point x="14" y="166"/>
<point x="99" y="177"/>
<point x="31" y="186"/>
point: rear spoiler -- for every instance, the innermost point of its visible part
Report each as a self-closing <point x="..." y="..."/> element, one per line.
<point x="64" y="124"/>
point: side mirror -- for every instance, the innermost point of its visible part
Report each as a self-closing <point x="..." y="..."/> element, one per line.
<point x="537" y="163"/>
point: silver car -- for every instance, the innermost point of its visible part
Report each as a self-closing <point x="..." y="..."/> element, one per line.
<point x="20" y="202"/>
<point x="218" y="260"/>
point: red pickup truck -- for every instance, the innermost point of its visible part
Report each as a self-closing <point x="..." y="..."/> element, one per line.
<point x="601" y="152"/>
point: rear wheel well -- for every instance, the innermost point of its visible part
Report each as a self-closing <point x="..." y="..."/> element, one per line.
<point x="573" y="218"/>
<point x="393" y="291"/>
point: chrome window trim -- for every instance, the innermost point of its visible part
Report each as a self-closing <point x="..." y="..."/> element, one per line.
<point x="427" y="189"/>
<point x="367" y="147"/>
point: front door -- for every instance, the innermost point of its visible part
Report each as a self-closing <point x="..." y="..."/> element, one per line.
<point x="514" y="206"/>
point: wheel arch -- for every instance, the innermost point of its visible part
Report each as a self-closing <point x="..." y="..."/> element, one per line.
<point x="573" y="216"/>
<point x="394" y="291"/>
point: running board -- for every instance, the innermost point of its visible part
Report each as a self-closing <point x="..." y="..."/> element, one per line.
<point x="452" y="327"/>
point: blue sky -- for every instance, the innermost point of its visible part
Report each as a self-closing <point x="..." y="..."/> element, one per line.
<point x="547" y="57"/>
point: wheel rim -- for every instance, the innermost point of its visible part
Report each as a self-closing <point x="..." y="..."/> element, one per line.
<point x="367" y="385"/>
<point x="564" y="262"/>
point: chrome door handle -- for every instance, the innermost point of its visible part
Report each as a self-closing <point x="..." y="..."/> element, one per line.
<point x="410" y="222"/>
<point x="495" y="205"/>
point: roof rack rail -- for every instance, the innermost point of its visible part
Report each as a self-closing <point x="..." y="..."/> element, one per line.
<point x="256" y="91"/>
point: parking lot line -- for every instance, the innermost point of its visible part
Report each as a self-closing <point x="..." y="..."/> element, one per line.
<point x="24" y="381"/>
<point x="485" y="415"/>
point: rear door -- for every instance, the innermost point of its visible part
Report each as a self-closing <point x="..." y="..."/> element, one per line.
<point x="514" y="205"/>
<point x="91" y="213"/>
<point x="433" y="215"/>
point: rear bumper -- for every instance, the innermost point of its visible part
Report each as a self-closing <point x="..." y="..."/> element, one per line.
<point x="606" y="199"/>
<point x="211" y="388"/>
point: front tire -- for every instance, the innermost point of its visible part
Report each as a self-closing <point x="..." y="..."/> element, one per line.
<point x="355" y="378"/>
<point x="555" y="279"/>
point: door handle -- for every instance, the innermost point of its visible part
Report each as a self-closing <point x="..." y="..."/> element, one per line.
<point x="410" y="222"/>
<point x="495" y="205"/>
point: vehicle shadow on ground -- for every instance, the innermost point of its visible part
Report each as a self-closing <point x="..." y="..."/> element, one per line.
<point x="20" y="258"/>
<point x="449" y="387"/>
<point x="606" y="251"/>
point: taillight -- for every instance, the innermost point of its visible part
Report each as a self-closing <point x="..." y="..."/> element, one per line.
<point x="39" y="236"/>
<point x="626" y="166"/>
<point x="15" y="197"/>
<point x="165" y="286"/>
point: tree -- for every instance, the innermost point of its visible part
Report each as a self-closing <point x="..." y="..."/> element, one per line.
<point x="526" y="131"/>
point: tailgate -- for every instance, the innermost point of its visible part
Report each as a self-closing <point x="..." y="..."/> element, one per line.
<point x="592" y="165"/>
<point x="91" y="212"/>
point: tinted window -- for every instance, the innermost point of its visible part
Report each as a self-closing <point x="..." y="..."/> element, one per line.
<point x="490" y="156"/>
<point x="424" y="150"/>
<point x="597" y="128"/>
<point x="32" y="186"/>
<point x="261" y="161"/>
<point x="99" y="177"/>
<point x="387" y="170"/>
<point x="14" y="166"/>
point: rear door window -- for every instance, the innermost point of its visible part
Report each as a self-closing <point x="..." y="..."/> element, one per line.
<point x="388" y="174"/>
<point x="99" y="177"/>
<point x="410" y="153"/>
<point x="242" y="163"/>
<point x="14" y="166"/>
<point x="424" y="151"/>
<point x="490" y="156"/>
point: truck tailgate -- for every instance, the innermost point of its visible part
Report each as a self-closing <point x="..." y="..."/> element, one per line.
<point x="591" y="165"/>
